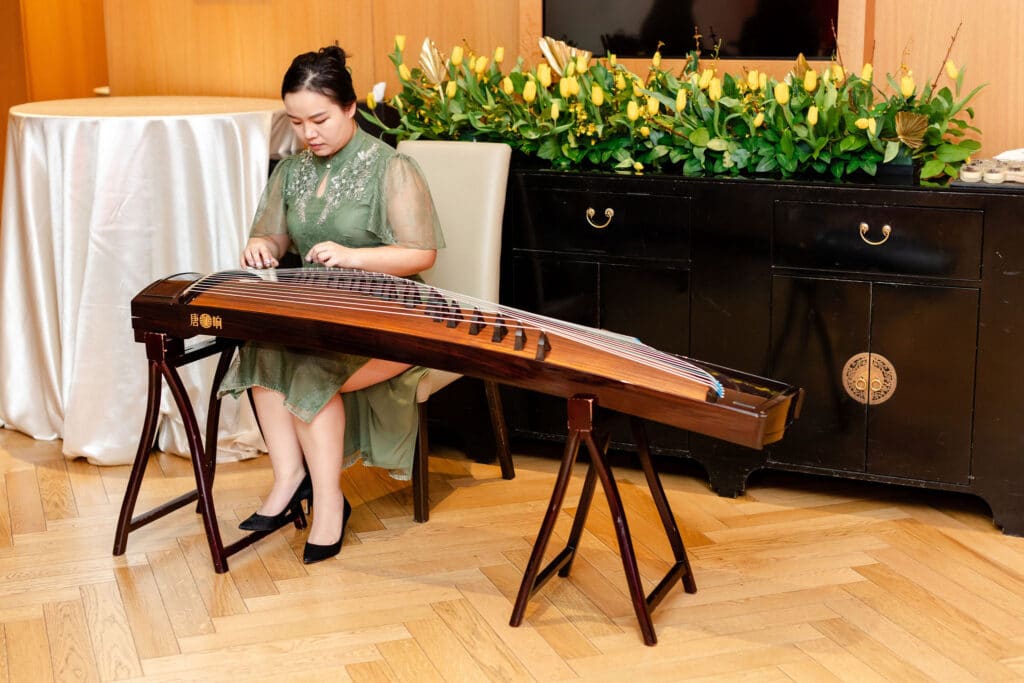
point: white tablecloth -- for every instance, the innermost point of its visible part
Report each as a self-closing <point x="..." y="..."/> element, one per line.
<point x="102" y="197"/>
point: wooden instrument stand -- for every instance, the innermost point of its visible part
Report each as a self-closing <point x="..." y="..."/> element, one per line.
<point x="165" y="354"/>
<point x="581" y="419"/>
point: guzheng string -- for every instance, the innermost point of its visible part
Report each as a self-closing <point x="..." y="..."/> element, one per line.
<point x="391" y="295"/>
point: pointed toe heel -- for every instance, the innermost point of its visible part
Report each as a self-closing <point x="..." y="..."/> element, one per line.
<point x="314" y="553"/>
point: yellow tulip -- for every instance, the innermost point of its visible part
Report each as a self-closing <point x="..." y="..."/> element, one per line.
<point x="597" y="95"/>
<point x="620" y="82"/>
<point x="652" y="106"/>
<point x="632" y="110"/>
<point x="907" y="85"/>
<point x="611" y="59"/>
<point x="715" y="89"/>
<point x="471" y="63"/>
<point x="951" y="69"/>
<point x="570" y="69"/>
<point x="371" y="101"/>
<point x="656" y="59"/>
<point x="762" y="80"/>
<point x="681" y="100"/>
<point x="637" y="166"/>
<point x="637" y="91"/>
<point x="582" y="63"/>
<point x="506" y="85"/>
<point x="782" y="93"/>
<point x="403" y="72"/>
<point x="645" y="131"/>
<point x="705" y="78"/>
<point x="530" y="91"/>
<point x="866" y="72"/>
<point x="810" y="80"/>
<point x="544" y="74"/>
<point x="565" y="87"/>
<point x="400" y="42"/>
<point x="838" y="73"/>
<point x="499" y="55"/>
<point x="451" y="89"/>
<point x="759" y="119"/>
<point x="752" y="79"/>
<point x="480" y="66"/>
<point x="554" y="110"/>
<point x="457" y="54"/>
<point x="866" y="124"/>
<point x="812" y="115"/>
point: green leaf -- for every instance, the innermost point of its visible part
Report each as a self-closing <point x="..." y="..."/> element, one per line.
<point x="718" y="144"/>
<point x="952" y="153"/>
<point x="700" y="137"/>
<point x="932" y="168"/>
<point x="892" y="148"/>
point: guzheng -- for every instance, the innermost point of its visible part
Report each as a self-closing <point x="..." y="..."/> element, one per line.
<point x="397" y="319"/>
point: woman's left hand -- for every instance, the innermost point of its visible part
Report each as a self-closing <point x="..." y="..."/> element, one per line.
<point x="332" y="255"/>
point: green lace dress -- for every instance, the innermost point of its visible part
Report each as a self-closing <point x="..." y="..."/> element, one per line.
<point x="373" y="196"/>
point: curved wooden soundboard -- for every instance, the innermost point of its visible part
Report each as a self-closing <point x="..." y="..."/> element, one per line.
<point x="395" y="319"/>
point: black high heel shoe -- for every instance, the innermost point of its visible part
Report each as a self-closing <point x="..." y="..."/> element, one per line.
<point x="293" y="510"/>
<point x="317" y="553"/>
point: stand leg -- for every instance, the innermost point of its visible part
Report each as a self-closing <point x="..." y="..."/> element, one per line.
<point x="131" y="494"/>
<point x="668" y="520"/>
<point x="200" y="467"/>
<point x="581" y="431"/>
<point x="636" y="589"/>
<point x="530" y="583"/>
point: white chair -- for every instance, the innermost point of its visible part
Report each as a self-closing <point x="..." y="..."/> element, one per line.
<point x="467" y="181"/>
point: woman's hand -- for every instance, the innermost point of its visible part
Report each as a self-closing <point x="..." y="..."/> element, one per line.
<point x="333" y="255"/>
<point x="259" y="252"/>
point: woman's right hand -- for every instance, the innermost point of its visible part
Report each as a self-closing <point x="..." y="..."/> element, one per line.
<point x="259" y="252"/>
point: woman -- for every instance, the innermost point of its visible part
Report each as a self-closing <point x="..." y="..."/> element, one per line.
<point x="347" y="200"/>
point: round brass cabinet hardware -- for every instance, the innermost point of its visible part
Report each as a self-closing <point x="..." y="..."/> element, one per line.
<point x="608" y="214"/>
<point x="886" y="231"/>
<point x="869" y="378"/>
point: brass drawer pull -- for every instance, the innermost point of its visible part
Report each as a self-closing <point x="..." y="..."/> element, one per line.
<point x="608" y="213"/>
<point x="886" y="231"/>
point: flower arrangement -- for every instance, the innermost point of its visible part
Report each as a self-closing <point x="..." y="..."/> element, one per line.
<point x="574" y="111"/>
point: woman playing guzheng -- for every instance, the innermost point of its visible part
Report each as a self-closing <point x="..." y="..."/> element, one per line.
<point x="347" y="200"/>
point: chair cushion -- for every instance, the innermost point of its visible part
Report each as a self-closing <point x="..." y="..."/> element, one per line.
<point x="434" y="381"/>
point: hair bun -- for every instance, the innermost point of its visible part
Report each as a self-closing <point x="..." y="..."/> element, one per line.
<point x="334" y="52"/>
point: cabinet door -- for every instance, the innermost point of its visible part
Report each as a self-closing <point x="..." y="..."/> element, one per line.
<point x="647" y="302"/>
<point x="929" y="335"/>
<point x="922" y="341"/>
<point x="817" y="325"/>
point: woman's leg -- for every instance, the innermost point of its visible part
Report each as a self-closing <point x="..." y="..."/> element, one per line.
<point x="282" y="445"/>
<point x="323" y="442"/>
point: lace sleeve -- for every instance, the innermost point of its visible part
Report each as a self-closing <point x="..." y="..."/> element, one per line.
<point x="410" y="219"/>
<point x="271" y="214"/>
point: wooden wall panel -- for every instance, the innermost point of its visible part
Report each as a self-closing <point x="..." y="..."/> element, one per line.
<point x="482" y="25"/>
<point x="228" y="47"/>
<point x="65" y="51"/>
<point x="989" y="44"/>
<point x="12" y="69"/>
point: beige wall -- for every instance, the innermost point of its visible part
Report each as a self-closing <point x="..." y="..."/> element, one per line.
<point x="49" y="50"/>
<point x="990" y="43"/>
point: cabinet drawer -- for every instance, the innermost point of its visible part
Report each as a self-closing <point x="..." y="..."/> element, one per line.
<point x="621" y="225"/>
<point x="899" y="240"/>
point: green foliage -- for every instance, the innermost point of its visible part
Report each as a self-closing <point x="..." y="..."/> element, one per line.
<point x="589" y="114"/>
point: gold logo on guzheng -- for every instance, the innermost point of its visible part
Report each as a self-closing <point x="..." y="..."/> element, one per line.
<point x="205" y="321"/>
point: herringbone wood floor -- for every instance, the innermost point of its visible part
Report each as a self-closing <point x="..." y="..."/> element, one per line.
<point x="800" y="580"/>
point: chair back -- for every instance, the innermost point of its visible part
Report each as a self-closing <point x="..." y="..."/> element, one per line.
<point x="467" y="181"/>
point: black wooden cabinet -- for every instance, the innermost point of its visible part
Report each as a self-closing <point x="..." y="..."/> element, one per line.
<point x="900" y="311"/>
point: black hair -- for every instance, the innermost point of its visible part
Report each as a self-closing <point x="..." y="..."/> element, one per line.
<point x="322" y="72"/>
